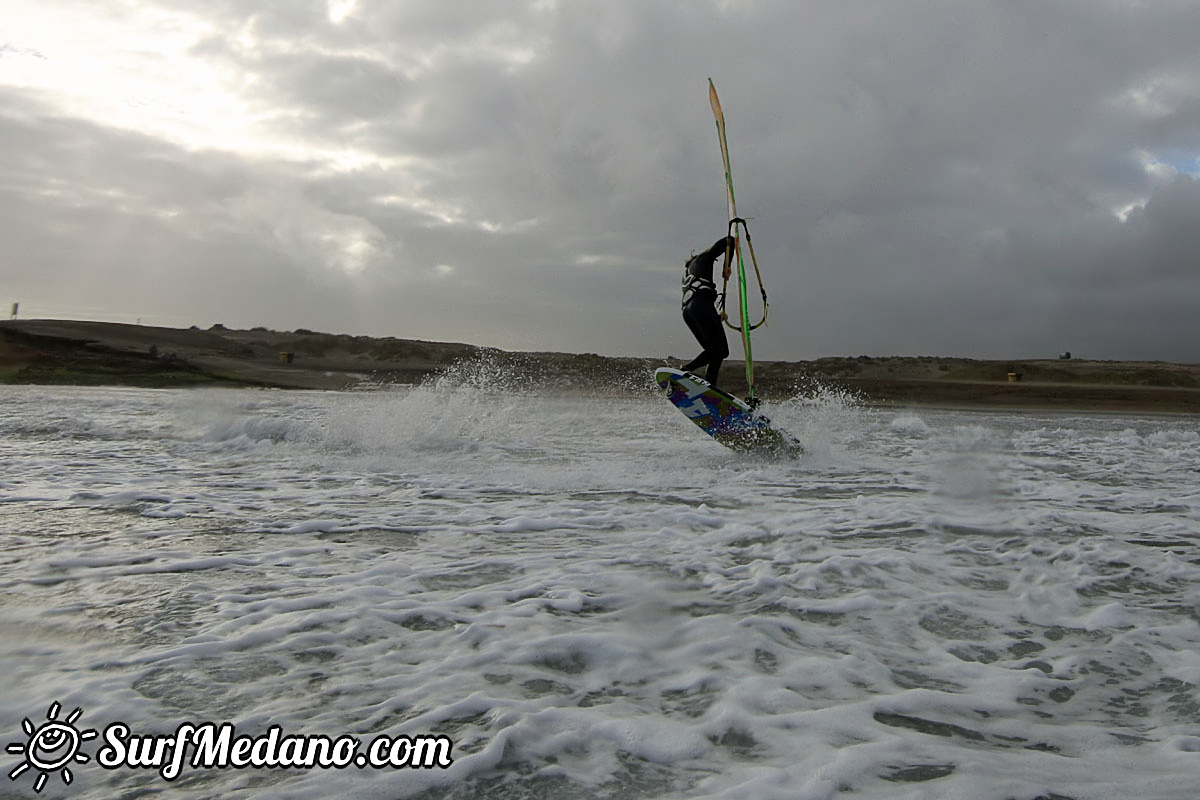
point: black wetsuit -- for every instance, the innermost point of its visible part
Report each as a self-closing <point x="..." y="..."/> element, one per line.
<point x="700" y="312"/>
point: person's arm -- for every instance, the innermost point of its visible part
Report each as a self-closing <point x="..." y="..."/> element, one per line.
<point x="721" y="246"/>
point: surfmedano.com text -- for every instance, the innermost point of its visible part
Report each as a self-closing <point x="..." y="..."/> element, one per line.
<point x="215" y="746"/>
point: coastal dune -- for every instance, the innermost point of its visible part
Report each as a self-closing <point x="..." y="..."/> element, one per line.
<point x="92" y="353"/>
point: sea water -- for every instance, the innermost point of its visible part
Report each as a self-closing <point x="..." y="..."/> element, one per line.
<point x="588" y="598"/>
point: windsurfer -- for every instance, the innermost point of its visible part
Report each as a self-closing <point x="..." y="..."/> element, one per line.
<point x="700" y="309"/>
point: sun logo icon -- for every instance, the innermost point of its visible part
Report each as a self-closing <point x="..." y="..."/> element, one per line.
<point x="51" y="747"/>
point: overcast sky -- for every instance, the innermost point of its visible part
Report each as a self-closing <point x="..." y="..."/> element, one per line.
<point x="988" y="179"/>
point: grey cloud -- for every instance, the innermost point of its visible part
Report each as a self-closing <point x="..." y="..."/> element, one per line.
<point x="925" y="177"/>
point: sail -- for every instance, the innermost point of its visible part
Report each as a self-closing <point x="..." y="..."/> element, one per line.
<point x="744" y="327"/>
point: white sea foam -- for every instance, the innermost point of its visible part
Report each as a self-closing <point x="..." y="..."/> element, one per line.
<point x="593" y="600"/>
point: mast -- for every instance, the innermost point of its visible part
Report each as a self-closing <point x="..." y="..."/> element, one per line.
<point x="744" y="327"/>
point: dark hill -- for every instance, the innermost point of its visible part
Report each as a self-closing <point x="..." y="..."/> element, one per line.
<point x="71" y="352"/>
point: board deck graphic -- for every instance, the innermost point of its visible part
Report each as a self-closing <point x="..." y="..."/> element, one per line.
<point x="722" y="416"/>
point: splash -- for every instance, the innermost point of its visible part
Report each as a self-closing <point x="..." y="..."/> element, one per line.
<point x="476" y="401"/>
<point x="824" y="417"/>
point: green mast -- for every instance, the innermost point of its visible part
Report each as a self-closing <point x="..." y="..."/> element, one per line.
<point x="734" y="221"/>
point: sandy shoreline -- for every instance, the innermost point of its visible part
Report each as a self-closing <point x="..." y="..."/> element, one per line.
<point x="98" y="353"/>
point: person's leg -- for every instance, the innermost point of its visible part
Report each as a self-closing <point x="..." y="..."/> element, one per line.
<point x="711" y="335"/>
<point x="691" y="319"/>
<point x="714" y="371"/>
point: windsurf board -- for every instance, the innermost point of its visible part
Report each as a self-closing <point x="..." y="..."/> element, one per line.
<point x="722" y="416"/>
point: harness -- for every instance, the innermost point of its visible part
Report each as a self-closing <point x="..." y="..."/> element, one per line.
<point x="693" y="284"/>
